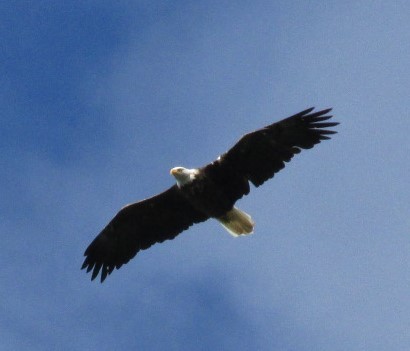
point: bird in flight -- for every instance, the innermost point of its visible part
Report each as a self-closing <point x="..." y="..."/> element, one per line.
<point x="207" y="192"/>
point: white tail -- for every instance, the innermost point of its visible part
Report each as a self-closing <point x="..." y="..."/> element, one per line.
<point x="237" y="222"/>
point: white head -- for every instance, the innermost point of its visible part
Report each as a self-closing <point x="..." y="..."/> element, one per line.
<point x="183" y="175"/>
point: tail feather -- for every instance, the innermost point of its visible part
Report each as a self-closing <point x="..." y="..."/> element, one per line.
<point x="237" y="222"/>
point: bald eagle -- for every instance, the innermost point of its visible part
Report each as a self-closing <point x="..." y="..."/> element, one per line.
<point x="207" y="192"/>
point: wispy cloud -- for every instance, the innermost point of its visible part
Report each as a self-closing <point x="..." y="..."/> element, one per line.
<point x="100" y="101"/>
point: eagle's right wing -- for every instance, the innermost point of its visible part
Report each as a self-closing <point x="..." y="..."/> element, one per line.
<point x="259" y="155"/>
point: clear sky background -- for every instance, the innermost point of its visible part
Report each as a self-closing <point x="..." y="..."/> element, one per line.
<point x="99" y="99"/>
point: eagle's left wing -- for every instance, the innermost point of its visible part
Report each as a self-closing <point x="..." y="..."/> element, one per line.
<point x="138" y="226"/>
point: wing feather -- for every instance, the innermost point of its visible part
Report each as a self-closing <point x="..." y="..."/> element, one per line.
<point x="259" y="155"/>
<point x="138" y="226"/>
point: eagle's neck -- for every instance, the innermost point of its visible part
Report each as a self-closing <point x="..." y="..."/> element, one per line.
<point x="183" y="175"/>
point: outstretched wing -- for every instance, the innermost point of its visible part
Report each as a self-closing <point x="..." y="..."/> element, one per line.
<point x="138" y="226"/>
<point x="257" y="156"/>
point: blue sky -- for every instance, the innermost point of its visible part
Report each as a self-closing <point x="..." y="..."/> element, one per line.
<point x="100" y="99"/>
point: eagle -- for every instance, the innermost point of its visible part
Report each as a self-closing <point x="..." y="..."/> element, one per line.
<point x="207" y="192"/>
